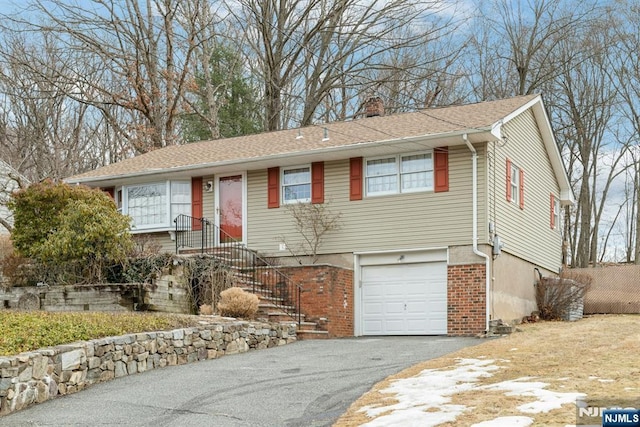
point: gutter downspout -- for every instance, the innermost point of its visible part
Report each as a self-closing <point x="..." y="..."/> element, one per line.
<point x="474" y="161"/>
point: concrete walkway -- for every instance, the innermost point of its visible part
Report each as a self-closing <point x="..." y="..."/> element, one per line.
<point x="308" y="383"/>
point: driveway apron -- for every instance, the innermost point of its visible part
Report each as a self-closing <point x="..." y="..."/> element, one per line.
<point x="307" y="383"/>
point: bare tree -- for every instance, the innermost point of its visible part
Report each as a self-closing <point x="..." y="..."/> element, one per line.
<point x="141" y="54"/>
<point x="309" y="52"/>
<point x="625" y="69"/>
<point x="517" y="44"/>
<point x="45" y="134"/>
<point x="583" y="112"/>
<point x="551" y="46"/>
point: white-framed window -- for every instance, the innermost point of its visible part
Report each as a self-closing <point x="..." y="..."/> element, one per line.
<point x="416" y="172"/>
<point x="556" y="213"/>
<point x="404" y="173"/>
<point x="296" y="184"/>
<point x="118" y="199"/>
<point x="515" y="184"/>
<point x="180" y="198"/>
<point x="156" y="205"/>
<point x="381" y="176"/>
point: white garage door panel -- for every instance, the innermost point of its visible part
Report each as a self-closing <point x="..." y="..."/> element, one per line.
<point x="408" y="299"/>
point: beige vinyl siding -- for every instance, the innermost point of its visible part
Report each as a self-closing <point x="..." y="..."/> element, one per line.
<point x="161" y="238"/>
<point x="526" y="233"/>
<point x="208" y="198"/>
<point x="399" y="221"/>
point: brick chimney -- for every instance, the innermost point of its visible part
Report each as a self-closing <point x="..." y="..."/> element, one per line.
<point x="373" y="107"/>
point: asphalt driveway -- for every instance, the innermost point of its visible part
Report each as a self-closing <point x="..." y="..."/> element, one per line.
<point x="308" y="383"/>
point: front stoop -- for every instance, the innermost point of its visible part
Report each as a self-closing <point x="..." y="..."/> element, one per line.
<point x="271" y="308"/>
<point x="308" y="330"/>
<point x="312" y="335"/>
<point x="270" y="312"/>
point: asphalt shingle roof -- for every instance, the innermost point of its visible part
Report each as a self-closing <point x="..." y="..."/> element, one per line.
<point x="341" y="134"/>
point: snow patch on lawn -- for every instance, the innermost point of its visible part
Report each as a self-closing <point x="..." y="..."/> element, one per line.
<point x="547" y="400"/>
<point x="425" y="399"/>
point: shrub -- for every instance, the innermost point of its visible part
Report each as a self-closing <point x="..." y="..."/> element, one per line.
<point x="55" y="223"/>
<point x="206" y="309"/>
<point x="558" y="297"/>
<point x="207" y="278"/>
<point x="18" y="271"/>
<point x="145" y="245"/>
<point x="312" y="222"/>
<point x="6" y="248"/>
<point x="235" y="302"/>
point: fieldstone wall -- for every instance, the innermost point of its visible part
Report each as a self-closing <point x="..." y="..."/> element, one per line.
<point x="37" y="376"/>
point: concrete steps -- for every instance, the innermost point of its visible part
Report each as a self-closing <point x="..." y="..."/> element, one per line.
<point x="271" y="307"/>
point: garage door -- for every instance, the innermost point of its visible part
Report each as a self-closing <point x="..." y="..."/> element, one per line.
<point x="407" y="299"/>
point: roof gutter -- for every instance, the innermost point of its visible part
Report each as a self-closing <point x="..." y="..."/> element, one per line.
<point x="288" y="155"/>
<point x="478" y="252"/>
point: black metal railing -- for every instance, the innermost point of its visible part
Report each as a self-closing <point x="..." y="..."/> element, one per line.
<point x="199" y="235"/>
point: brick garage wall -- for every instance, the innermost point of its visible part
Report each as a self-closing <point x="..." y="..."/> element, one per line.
<point x="327" y="296"/>
<point x="466" y="299"/>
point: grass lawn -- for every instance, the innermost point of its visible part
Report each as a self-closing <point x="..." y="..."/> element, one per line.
<point x="29" y="330"/>
<point x="598" y="356"/>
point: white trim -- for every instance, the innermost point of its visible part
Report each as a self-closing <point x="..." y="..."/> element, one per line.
<point x="271" y="160"/>
<point x="388" y="257"/>
<point x="514" y="173"/>
<point x="398" y="157"/>
<point x="216" y="203"/>
<point x="557" y="213"/>
<point x="401" y="173"/>
<point x="281" y="189"/>
<point x="366" y="177"/>
<point x="544" y="126"/>
<point x="168" y="224"/>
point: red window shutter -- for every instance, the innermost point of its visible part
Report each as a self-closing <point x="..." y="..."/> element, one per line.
<point x="441" y="169"/>
<point x="521" y="189"/>
<point x="508" y="180"/>
<point x="553" y="216"/>
<point x="355" y="178"/>
<point x="317" y="182"/>
<point x="196" y="203"/>
<point x="273" y="188"/>
<point x="110" y="191"/>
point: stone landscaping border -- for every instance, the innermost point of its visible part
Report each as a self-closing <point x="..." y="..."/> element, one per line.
<point x="37" y="376"/>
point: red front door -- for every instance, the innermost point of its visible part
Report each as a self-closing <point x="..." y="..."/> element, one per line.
<point x="230" y="208"/>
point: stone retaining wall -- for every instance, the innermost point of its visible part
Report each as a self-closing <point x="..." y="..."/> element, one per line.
<point x="37" y="376"/>
<point x="96" y="297"/>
